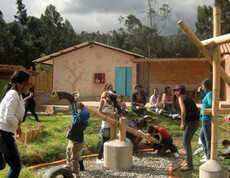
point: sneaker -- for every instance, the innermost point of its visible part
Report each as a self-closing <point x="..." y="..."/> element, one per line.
<point x="100" y="161"/>
<point x="204" y="160"/>
<point x="176" y="155"/>
<point x="204" y="156"/>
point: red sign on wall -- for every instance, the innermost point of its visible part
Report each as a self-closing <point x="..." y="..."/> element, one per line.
<point x="99" y="78"/>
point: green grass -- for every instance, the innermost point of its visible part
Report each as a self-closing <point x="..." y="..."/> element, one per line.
<point x="52" y="145"/>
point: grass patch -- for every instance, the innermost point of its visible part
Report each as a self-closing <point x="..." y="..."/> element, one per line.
<point x="52" y="145"/>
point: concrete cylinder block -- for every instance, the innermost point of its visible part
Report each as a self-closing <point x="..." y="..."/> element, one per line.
<point x="118" y="155"/>
<point x="213" y="169"/>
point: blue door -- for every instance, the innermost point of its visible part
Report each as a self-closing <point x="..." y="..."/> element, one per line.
<point x="123" y="81"/>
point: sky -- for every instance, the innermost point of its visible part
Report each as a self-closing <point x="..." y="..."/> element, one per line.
<point x="102" y="15"/>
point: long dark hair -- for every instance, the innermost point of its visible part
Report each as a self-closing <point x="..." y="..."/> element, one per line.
<point x="184" y="96"/>
<point x="19" y="76"/>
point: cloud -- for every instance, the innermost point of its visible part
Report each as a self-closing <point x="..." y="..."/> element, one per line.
<point x="102" y="15"/>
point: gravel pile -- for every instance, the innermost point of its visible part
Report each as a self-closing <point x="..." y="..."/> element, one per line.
<point x="146" y="164"/>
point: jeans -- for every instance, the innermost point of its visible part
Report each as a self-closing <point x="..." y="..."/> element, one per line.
<point x="205" y="136"/>
<point x="140" y="112"/>
<point x="9" y="154"/>
<point x="170" y="108"/>
<point x="190" y="129"/>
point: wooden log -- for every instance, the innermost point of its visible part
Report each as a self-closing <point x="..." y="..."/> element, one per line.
<point x="27" y="137"/>
<point x="32" y="135"/>
<point x="114" y="122"/>
<point x="216" y="41"/>
<point x="221" y="111"/>
<point x="216" y="84"/>
<point x="202" y="48"/>
<point x="122" y="129"/>
<point x="41" y="127"/>
<point x="112" y="131"/>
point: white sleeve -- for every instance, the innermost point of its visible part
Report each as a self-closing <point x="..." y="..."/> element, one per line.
<point x="227" y="151"/>
<point x="11" y="106"/>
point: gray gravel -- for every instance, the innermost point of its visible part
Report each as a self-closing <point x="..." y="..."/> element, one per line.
<point x="146" y="164"/>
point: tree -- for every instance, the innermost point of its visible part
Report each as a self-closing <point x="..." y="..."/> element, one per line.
<point x="204" y="24"/>
<point x="22" y="14"/>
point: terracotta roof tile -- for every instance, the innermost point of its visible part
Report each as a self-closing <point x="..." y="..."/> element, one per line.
<point x="225" y="48"/>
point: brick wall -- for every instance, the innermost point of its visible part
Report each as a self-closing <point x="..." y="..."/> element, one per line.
<point x="227" y="69"/>
<point x="190" y="74"/>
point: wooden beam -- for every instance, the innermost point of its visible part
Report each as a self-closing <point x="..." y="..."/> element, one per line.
<point x="221" y="111"/>
<point x="116" y="123"/>
<point x="204" y="50"/>
<point x="216" y="41"/>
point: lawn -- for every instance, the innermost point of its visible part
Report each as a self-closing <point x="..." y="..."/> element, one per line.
<point x="51" y="146"/>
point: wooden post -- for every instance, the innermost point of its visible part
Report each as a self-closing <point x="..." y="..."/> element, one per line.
<point x="114" y="122"/>
<point x="202" y="48"/>
<point x="112" y="131"/>
<point x="216" y="83"/>
<point x="27" y="137"/>
<point x="32" y="134"/>
<point x="41" y="127"/>
<point x="122" y="129"/>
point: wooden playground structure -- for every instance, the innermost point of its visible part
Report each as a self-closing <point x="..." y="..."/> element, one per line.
<point x="213" y="168"/>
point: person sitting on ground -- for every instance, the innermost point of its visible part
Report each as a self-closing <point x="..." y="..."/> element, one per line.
<point x="76" y="134"/>
<point x="138" y="101"/>
<point x="108" y="87"/>
<point x="122" y="105"/>
<point x="136" y="124"/>
<point x="167" y="98"/>
<point x="166" y="140"/>
<point x="106" y="107"/>
<point x="226" y="154"/>
<point x="159" y="105"/>
<point x="153" y="100"/>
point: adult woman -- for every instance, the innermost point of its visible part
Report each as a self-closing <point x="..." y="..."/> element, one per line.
<point x="138" y="101"/>
<point x="189" y="121"/>
<point x="167" y="98"/>
<point x="11" y="111"/>
<point x="30" y="103"/>
<point x="205" y="133"/>
<point x="107" y="108"/>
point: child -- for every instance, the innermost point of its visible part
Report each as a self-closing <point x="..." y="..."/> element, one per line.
<point x="226" y="154"/>
<point x="122" y="105"/>
<point x="159" y="105"/>
<point x="166" y="140"/>
<point x="76" y="134"/>
<point x="82" y="168"/>
<point x="107" y="108"/>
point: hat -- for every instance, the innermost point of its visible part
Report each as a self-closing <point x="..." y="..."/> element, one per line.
<point x="112" y="94"/>
<point x="84" y="115"/>
<point x="179" y="87"/>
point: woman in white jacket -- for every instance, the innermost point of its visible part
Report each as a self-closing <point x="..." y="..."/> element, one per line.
<point x="12" y="110"/>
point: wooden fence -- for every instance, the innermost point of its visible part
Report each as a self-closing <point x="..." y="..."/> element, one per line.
<point x="42" y="80"/>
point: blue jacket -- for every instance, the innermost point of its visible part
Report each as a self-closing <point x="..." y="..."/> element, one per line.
<point x="79" y="124"/>
<point x="206" y="103"/>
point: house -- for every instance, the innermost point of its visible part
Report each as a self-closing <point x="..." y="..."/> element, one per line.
<point x="87" y="67"/>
